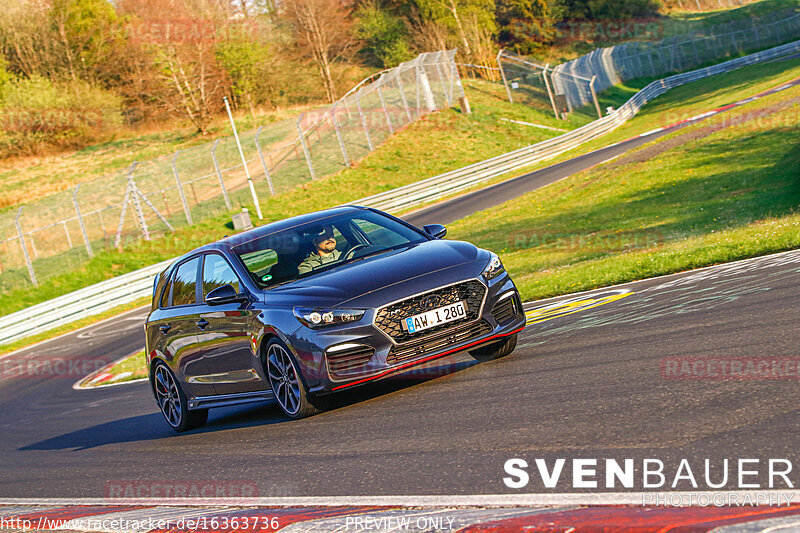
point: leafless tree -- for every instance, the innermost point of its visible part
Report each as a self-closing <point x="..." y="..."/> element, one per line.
<point x="324" y="31"/>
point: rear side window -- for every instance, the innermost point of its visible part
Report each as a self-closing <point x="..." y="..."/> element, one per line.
<point x="166" y="293"/>
<point x="184" y="285"/>
<point x="216" y="273"/>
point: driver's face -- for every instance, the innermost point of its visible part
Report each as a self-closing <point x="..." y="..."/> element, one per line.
<point x="327" y="245"/>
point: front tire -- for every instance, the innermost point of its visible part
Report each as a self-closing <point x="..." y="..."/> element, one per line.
<point x="496" y="350"/>
<point x="172" y="401"/>
<point x="284" y="379"/>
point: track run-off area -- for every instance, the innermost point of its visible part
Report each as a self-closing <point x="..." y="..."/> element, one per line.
<point x="617" y="373"/>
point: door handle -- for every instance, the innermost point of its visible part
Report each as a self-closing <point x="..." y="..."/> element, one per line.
<point x="202" y="323"/>
<point x="165" y="328"/>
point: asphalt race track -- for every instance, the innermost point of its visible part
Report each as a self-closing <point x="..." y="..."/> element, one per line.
<point x="593" y="377"/>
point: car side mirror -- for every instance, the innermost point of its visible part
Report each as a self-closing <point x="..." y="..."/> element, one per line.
<point x="224" y="295"/>
<point x="437" y="231"/>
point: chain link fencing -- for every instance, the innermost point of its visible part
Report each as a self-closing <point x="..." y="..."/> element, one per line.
<point x="58" y="233"/>
<point x="573" y="84"/>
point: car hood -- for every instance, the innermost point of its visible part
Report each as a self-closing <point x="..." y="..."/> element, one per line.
<point x="374" y="281"/>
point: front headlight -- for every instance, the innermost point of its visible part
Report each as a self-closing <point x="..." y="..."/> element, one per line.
<point x="494" y="268"/>
<point x="320" y="318"/>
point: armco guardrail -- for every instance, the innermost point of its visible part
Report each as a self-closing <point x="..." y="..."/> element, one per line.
<point x="79" y="304"/>
<point x="463" y="178"/>
<point x="129" y="287"/>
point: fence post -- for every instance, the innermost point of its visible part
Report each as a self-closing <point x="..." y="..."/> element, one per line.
<point x="403" y="96"/>
<point x="503" y="75"/>
<point x="137" y="207"/>
<point x="305" y="147"/>
<point x="441" y="79"/>
<point x="180" y="188"/>
<point x="66" y="231"/>
<point x="385" y="111"/>
<point x="339" y="137"/>
<point x="425" y="87"/>
<point x="80" y="221"/>
<point x="264" y="162"/>
<point x="21" y="235"/>
<point x="549" y="90"/>
<point x="219" y="175"/>
<point x="594" y="97"/>
<point x="244" y="160"/>
<point x="363" y="121"/>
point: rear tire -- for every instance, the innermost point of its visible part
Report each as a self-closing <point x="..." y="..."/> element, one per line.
<point x="172" y="401"/>
<point x="495" y="350"/>
<point x="286" y="383"/>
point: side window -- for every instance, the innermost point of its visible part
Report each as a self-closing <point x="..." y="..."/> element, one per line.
<point x="185" y="283"/>
<point x="379" y="235"/>
<point x="167" y="290"/>
<point x="216" y="273"/>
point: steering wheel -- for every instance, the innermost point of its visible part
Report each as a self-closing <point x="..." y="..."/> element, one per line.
<point x="351" y="251"/>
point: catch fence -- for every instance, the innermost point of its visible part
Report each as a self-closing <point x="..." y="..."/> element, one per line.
<point x="58" y="233"/>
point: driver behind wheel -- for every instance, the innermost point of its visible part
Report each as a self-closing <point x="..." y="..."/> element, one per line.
<point x="325" y="251"/>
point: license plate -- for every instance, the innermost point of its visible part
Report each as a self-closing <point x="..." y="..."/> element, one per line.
<point x="435" y="317"/>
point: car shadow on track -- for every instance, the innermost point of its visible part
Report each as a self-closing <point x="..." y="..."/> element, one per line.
<point x="151" y="427"/>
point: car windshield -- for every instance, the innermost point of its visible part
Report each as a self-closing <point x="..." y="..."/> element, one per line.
<point x="322" y="245"/>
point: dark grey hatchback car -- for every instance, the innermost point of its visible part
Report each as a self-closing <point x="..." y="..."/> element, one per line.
<point x="301" y="308"/>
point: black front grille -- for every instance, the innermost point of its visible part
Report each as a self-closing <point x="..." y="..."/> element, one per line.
<point x="437" y="342"/>
<point x="390" y="318"/>
<point x="349" y="361"/>
<point x="505" y="309"/>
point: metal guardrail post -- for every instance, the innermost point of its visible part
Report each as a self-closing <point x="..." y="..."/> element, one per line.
<point x="80" y="221"/>
<point x="305" y="147"/>
<point x="363" y="121"/>
<point x="503" y="75"/>
<point x="21" y="235"/>
<point x="264" y="162"/>
<point x="339" y="137"/>
<point x="219" y="174"/>
<point x="180" y="188"/>
<point x="549" y="91"/>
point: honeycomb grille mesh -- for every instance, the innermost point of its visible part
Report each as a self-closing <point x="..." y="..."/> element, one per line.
<point x="389" y="319"/>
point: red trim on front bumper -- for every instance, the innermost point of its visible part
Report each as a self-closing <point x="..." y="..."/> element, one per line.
<point x="424" y="360"/>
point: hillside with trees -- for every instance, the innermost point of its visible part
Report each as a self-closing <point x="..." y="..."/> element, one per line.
<point x="75" y="72"/>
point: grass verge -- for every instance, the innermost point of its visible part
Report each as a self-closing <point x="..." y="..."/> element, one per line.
<point x="709" y="194"/>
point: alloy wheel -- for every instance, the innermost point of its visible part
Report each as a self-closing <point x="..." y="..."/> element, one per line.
<point x="283" y="379"/>
<point x="168" y="397"/>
